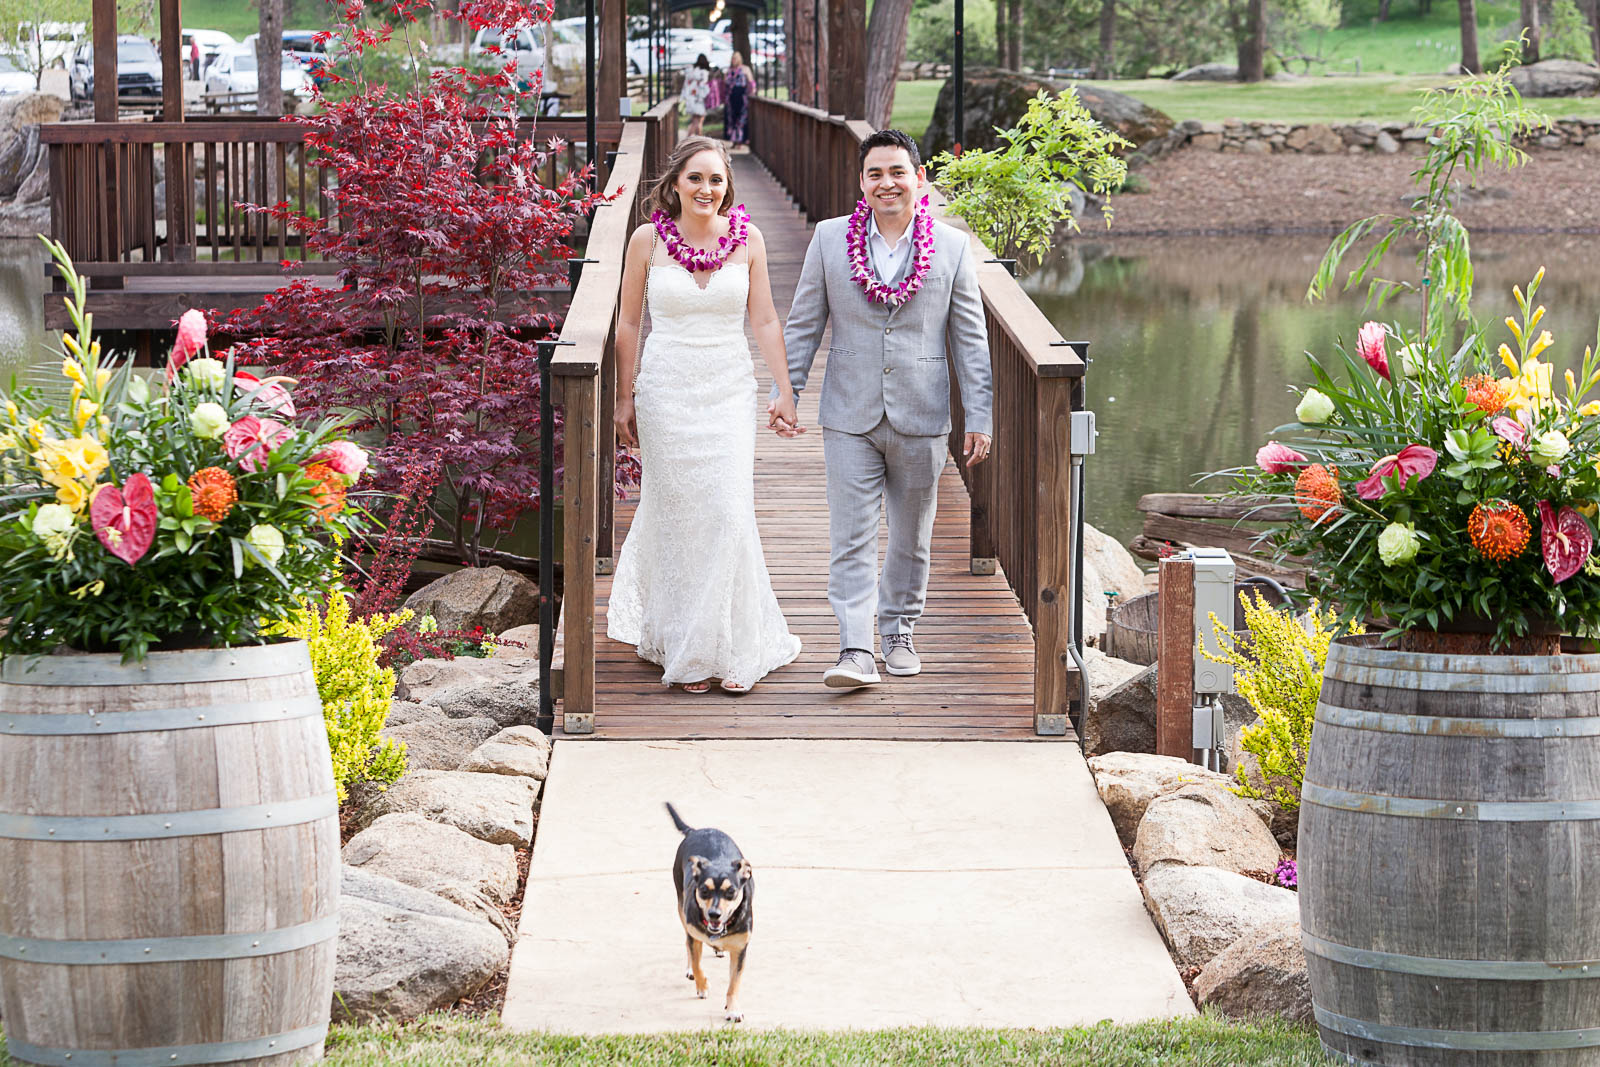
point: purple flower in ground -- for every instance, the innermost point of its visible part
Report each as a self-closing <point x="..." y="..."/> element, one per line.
<point x="1287" y="874"/>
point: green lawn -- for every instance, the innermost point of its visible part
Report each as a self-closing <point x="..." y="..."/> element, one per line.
<point x="439" y="1041"/>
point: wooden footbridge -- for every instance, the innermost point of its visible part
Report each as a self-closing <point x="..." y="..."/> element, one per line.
<point x="995" y="633"/>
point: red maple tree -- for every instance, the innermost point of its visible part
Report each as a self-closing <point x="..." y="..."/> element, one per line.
<point x="443" y="232"/>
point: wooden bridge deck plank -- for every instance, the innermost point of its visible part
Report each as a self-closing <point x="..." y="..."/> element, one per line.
<point x="977" y="682"/>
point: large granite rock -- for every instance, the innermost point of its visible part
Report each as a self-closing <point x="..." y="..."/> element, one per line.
<point x="496" y="808"/>
<point x="1203" y="910"/>
<point x="1108" y="567"/>
<point x="411" y="848"/>
<point x="403" y="951"/>
<point x="503" y="689"/>
<point x="25" y="163"/>
<point x="1208" y="72"/>
<point x="406" y="712"/>
<point x="1129" y="781"/>
<point x="491" y="597"/>
<point x="1262" y="973"/>
<point x="998" y="98"/>
<point x="1557" y="77"/>
<point x="441" y="744"/>
<point x="516" y="750"/>
<point x="1204" y="825"/>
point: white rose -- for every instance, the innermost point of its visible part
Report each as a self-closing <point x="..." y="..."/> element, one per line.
<point x="1551" y="446"/>
<point x="206" y="373"/>
<point x="1315" y="408"/>
<point x="52" y="520"/>
<point x="209" y="421"/>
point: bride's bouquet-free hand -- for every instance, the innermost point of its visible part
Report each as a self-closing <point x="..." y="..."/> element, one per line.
<point x="186" y="509"/>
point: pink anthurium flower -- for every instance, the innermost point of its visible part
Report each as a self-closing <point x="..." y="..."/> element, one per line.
<point x="269" y="392"/>
<point x="1566" y="540"/>
<point x="125" y="519"/>
<point x="1275" y="458"/>
<point x="1511" y="430"/>
<point x="1411" y="461"/>
<point x="1369" y="345"/>
<point x="191" y="339"/>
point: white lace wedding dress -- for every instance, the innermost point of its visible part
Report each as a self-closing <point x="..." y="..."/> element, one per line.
<point x="691" y="589"/>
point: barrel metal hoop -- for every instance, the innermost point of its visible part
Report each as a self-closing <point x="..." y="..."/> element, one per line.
<point x="1438" y="967"/>
<point x="169" y="824"/>
<point x="1445" y="726"/>
<point x="160" y="668"/>
<point x="237" y="713"/>
<point x="171" y="949"/>
<point x="1458" y="1040"/>
<point x="172" y="1055"/>
<point x="1392" y="677"/>
<point x="1463" y="810"/>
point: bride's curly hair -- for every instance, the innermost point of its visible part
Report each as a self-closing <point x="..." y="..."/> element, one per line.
<point x="663" y="195"/>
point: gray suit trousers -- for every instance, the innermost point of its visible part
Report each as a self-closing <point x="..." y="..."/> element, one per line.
<point x="869" y="473"/>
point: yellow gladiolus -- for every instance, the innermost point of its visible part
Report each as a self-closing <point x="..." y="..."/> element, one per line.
<point x="1509" y="360"/>
<point x="1537" y="278"/>
<point x="100" y="380"/>
<point x="74" y="494"/>
<point x="1590" y="410"/>
<point x="71" y="344"/>
<point x="11" y="413"/>
<point x="1538" y="313"/>
<point x="1544" y="342"/>
<point x="1588" y="509"/>
<point x="71" y="368"/>
<point x="87" y="409"/>
<point x="78" y="458"/>
<point x="1572" y="383"/>
<point x="35" y="432"/>
<point x="94" y="350"/>
<point x="1514" y="327"/>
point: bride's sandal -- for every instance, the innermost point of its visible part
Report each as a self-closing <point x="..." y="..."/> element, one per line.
<point x="697" y="687"/>
<point x="734" y="687"/>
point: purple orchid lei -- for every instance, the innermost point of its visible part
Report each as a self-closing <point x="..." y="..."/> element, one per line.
<point x="699" y="259"/>
<point x="855" y="243"/>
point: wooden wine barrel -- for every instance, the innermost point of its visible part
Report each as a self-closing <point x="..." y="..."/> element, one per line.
<point x="1450" y="858"/>
<point x="169" y="859"/>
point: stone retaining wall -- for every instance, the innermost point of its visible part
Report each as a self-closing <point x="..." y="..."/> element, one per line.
<point x="1387" y="138"/>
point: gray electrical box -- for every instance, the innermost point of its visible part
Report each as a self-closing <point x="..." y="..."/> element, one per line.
<point x="1213" y="595"/>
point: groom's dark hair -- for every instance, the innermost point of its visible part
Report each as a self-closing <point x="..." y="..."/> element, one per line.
<point x="889" y="139"/>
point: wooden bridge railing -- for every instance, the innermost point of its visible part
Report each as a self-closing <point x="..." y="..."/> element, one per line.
<point x="103" y="203"/>
<point x="1022" y="498"/>
<point x="585" y="375"/>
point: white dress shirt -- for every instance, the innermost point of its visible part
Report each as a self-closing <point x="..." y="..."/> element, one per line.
<point x="887" y="261"/>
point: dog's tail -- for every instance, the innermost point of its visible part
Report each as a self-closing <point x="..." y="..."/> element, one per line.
<point x="677" y="820"/>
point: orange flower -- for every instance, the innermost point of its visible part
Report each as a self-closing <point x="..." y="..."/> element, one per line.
<point x="1485" y="393"/>
<point x="1499" y="530"/>
<point x="1315" y="483"/>
<point x="214" y="492"/>
<point x="329" y="490"/>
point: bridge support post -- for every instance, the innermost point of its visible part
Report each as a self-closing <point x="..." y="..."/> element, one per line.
<point x="579" y="490"/>
<point x="1052" y="534"/>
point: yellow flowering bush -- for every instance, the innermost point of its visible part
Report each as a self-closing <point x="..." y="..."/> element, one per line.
<point x="1279" y="672"/>
<point x="355" y="691"/>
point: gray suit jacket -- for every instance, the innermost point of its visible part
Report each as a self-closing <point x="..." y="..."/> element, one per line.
<point x="887" y="360"/>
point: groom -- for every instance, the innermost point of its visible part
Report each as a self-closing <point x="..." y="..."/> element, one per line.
<point x="901" y="291"/>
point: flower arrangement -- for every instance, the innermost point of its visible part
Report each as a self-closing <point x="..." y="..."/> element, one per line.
<point x="181" y="510"/>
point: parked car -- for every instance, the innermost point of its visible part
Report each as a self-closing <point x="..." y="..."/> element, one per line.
<point x="234" y="73"/>
<point x="138" y="69"/>
<point x="212" y="44"/>
<point x="14" y="79"/>
<point x="53" y="40"/>
<point x="682" y="48"/>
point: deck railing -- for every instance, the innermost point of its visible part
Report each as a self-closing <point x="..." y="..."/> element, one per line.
<point x="1023" y="496"/>
<point x="104" y="178"/>
<point x="585" y="374"/>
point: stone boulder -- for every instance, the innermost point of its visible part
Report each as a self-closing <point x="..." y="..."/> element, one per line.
<point x="1108" y="567"/>
<point x="1262" y="973"/>
<point x="406" y="712"/>
<point x="1124" y="719"/>
<point x="1203" y="910"/>
<point x="1209" y="72"/>
<point x="440" y="744"/>
<point x="1129" y="781"/>
<point x="504" y="689"/>
<point x="491" y="597"/>
<point x="998" y="98"/>
<point x="495" y="808"/>
<point x="1557" y="77"/>
<point x="1203" y="824"/>
<point x="1317" y="139"/>
<point x="403" y="951"/>
<point x="411" y="848"/>
<point x="517" y="750"/>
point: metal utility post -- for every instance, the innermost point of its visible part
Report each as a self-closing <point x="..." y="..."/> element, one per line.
<point x="958" y="72"/>
<point x="816" y="53"/>
<point x="590" y="31"/>
<point x="547" y="539"/>
<point x="650" y="53"/>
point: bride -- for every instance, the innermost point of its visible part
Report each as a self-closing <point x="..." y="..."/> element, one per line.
<point x="691" y="589"/>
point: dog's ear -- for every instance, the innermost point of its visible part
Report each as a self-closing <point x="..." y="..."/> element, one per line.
<point x="697" y="865"/>
<point x="745" y="870"/>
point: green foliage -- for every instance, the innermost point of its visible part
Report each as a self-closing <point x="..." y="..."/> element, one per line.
<point x="930" y="32"/>
<point x="1566" y="34"/>
<point x="1279" y="671"/>
<point x="355" y="691"/>
<point x="17" y="37"/>
<point x="1015" y="195"/>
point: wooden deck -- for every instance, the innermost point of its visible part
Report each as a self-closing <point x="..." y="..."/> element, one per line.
<point x="976" y="643"/>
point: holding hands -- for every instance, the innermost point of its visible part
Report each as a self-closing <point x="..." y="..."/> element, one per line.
<point x="782" y="416"/>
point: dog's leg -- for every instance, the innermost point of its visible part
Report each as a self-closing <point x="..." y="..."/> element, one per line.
<point x="695" y="972"/>
<point x="735" y="976"/>
<point x="688" y="947"/>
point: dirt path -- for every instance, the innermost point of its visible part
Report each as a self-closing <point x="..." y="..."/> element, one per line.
<point x="1197" y="192"/>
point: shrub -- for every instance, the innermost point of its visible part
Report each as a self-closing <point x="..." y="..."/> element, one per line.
<point x="355" y="691"/>
<point x="1566" y="34"/>
<point x="1279" y="671"/>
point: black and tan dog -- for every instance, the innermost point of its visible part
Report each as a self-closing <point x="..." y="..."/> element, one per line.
<point x="716" y="903"/>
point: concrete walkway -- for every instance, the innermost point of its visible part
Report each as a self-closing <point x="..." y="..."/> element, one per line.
<point x="898" y="884"/>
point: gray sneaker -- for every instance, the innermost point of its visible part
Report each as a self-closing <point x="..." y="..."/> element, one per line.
<point x="855" y="668"/>
<point x="899" y="658"/>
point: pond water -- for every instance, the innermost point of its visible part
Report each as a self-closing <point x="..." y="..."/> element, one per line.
<point x="1195" y="342"/>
